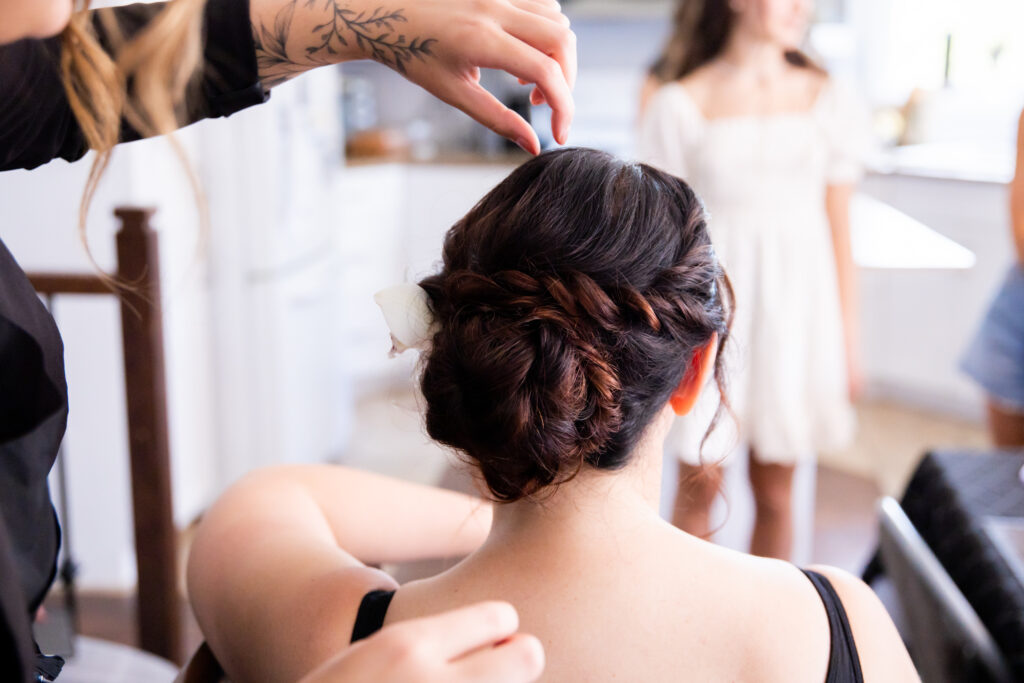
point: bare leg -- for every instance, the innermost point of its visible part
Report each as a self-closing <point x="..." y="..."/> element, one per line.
<point x="1006" y="427"/>
<point x="773" y="496"/>
<point x="698" y="488"/>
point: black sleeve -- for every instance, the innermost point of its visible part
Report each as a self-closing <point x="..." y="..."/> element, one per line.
<point x="36" y="121"/>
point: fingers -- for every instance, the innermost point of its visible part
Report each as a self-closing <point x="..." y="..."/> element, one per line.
<point x="523" y="61"/>
<point x="520" y="659"/>
<point x="550" y="35"/>
<point x="530" y="40"/>
<point x="454" y="634"/>
<point x="472" y="98"/>
<point x="546" y="8"/>
<point x="547" y="36"/>
<point x="536" y="96"/>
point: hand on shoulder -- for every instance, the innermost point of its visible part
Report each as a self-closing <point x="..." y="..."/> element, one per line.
<point x="475" y="643"/>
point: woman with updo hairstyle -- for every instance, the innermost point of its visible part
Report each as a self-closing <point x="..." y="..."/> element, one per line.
<point x="579" y="308"/>
<point x="75" y="79"/>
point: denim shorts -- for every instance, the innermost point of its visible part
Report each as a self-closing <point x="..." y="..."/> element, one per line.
<point x="995" y="357"/>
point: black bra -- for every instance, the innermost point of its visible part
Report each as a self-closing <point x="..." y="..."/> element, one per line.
<point x="372" y="611"/>
<point x="843" y="661"/>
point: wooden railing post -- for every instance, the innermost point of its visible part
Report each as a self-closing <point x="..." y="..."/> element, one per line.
<point x="138" y="268"/>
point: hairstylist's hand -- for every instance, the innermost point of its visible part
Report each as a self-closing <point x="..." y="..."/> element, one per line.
<point x="530" y="39"/>
<point x="476" y="643"/>
<point x="440" y="45"/>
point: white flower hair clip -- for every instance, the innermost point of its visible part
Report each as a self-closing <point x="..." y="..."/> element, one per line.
<point x="408" y="317"/>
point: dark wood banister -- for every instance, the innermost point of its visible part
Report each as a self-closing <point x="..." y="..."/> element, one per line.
<point x="51" y="284"/>
<point x="159" y="618"/>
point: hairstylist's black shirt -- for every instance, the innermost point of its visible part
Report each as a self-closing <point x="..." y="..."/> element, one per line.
<point x="37" y="125"/>
<point x="36" y="122"/>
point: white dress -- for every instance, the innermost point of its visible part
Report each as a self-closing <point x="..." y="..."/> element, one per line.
<point x="763" y="181"/>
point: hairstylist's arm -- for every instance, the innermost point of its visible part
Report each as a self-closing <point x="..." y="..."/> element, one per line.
<point x="837" y="206"/>
<point x="278" y="567"/>
<point x="476" y="643"/>
<point x="438" y="44"/>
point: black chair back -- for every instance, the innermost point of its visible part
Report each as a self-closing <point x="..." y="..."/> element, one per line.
<point x="947" y="640"/>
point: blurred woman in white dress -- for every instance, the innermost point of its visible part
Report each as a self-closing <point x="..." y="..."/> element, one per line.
<point x="773" y="146"/>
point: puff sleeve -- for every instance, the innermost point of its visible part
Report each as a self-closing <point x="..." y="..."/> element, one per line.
<point x="847" y="127"/>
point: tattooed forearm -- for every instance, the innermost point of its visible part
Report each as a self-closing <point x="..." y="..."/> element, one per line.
<point x="308" y="33"/>
<point x="374" y="35"/>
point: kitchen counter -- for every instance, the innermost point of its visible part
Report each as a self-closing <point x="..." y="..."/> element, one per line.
<point x="958" y="161"/>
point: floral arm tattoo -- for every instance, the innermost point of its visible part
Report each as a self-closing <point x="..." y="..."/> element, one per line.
<point x="283" y="52"/>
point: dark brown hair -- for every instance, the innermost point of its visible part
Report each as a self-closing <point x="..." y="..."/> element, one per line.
<point x="700" y="31"/>
<point x="570" y="303"/>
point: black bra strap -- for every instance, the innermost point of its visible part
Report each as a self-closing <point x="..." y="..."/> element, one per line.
<point x="372" y="611"/>
<point x="843" y="661"/>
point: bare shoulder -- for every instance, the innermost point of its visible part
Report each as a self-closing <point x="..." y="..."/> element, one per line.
<point x="792" y="641"/>
<point x="769" y="612"/>
<point x="882" y="654"/>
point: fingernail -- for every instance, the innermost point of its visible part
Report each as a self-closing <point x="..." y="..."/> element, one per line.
<point x="526" y="145"/>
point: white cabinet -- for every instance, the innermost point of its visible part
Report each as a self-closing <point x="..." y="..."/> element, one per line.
<point x="916" y="323"/>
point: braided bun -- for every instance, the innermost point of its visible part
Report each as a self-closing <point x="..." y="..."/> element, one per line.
<point x="570" y="302"/>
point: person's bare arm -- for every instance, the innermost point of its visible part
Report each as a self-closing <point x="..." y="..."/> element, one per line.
<point x="437" y="44"/>
<point x="837" y="206"/>
<point x="1017" y="196"/>
<point x="883" y="657"/>
<point x="278" y="567"/>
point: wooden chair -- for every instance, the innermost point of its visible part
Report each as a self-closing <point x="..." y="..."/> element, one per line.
<point x="159" y="619"/>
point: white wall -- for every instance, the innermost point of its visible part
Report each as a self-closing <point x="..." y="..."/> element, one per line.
<point x="272" y="176"/>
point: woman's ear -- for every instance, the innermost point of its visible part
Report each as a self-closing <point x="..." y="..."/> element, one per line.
<point x="701" y="366"/>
